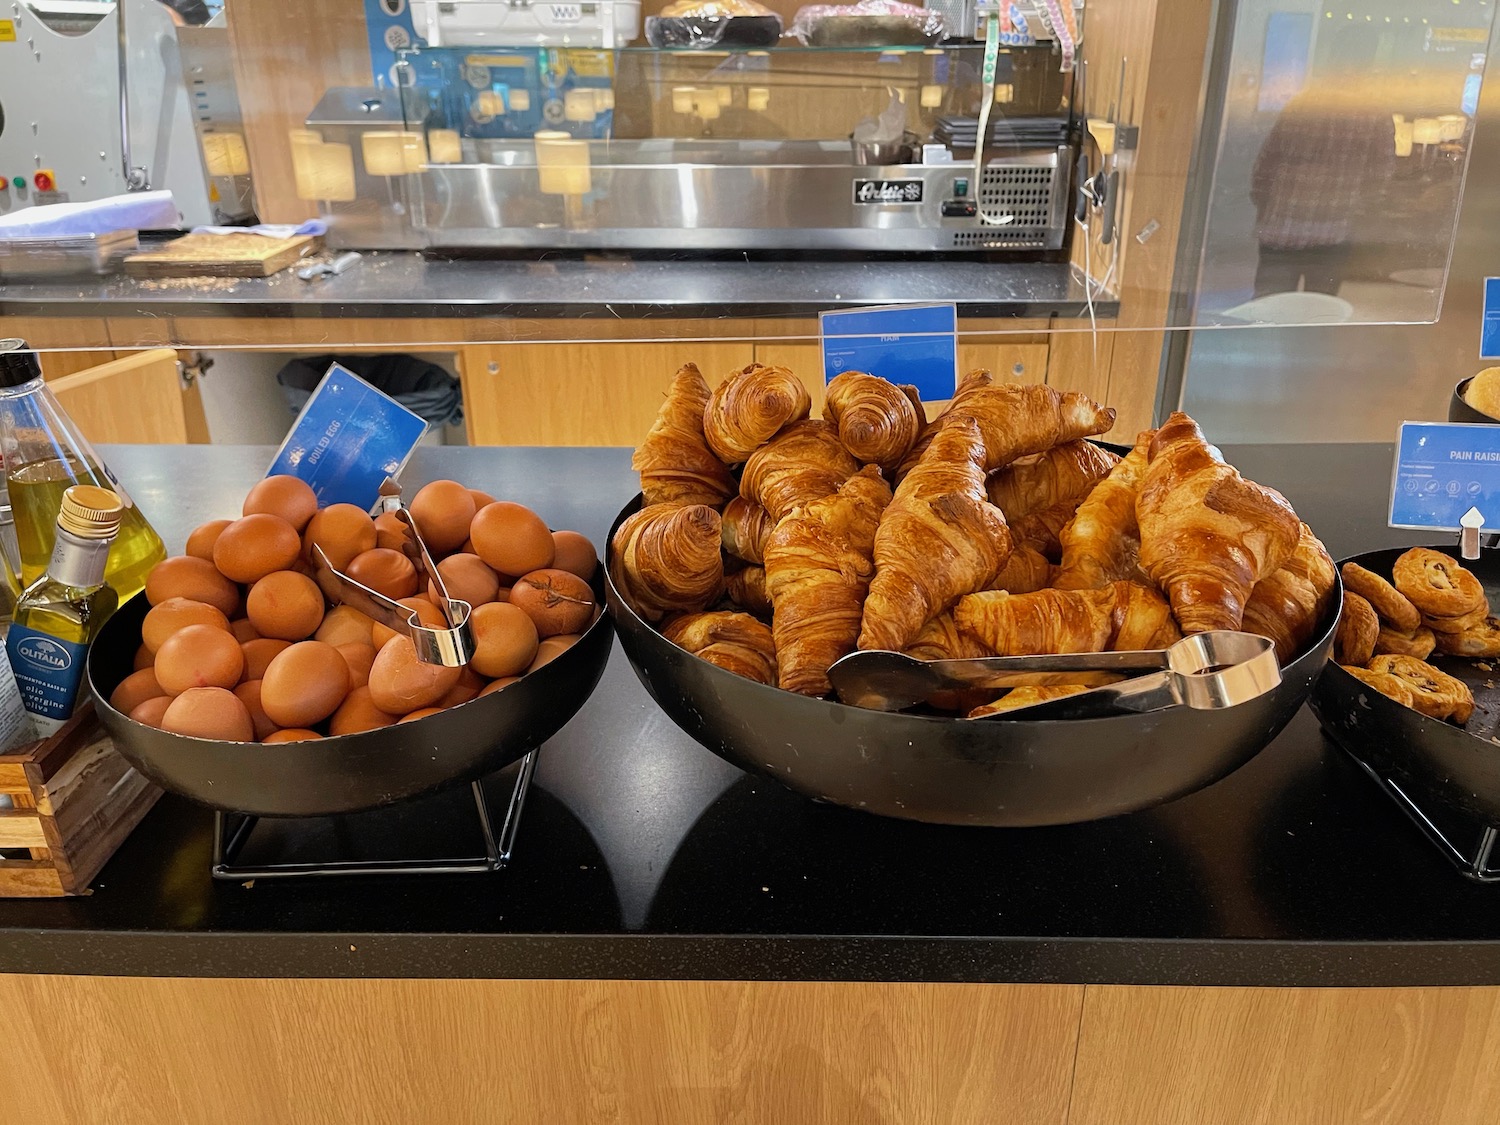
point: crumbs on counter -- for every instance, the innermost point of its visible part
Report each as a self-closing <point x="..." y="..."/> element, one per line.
<point x="198" y="284"/>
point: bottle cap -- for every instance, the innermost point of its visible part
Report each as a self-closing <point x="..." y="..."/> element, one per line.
<point x="90" y="513"/>
<point x="18" y="363"/>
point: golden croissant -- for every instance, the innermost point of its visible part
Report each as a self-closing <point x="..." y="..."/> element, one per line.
<point x="940" y="539"/>
<point x="746" y="529"/>
<point x="1103" y="541"/>
<point x="748" y="408"/>
<point x="1066" y="472"/>
<point x="942" y="639"/>
<point x="736" y="642"/>
<point x="1026" y="697"/>
<point x="806" y="461"/>
<point x="1017" y="419"/>
<point x="818" y="570"/>
<point x="1208" y="535"/>
<point x="1288" y="605"/>
<point x="747" y="589"/>
<point x="674" y="461"/>
<point x="973" y="381"/>
<point x="1026" y="571"/>
<point x="878" y="422"/>
<point x="1121" y="617"/>
<point x="1042" y="531"/>
<point x="667" y="560"/>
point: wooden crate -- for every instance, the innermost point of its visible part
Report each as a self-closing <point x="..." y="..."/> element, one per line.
<point x="74" y="799"/>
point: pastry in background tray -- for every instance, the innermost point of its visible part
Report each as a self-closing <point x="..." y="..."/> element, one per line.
<point x="1477" y="641"/>
<point x="748" y="408"/>
<point x="668" y="559"/>
<point x="675" y="462"/>
<point x="1440" y="588"/>
<point x="877" y="421"/>
<point x="1394" y="687"/>
<point x="1288" y="605"/>
<point x="1435" y="694"/>
<point x="1208" y="535"/>
<point x="1394" y="608"/>
<point x="1483" y="392"/>
<point x="803" y="462"/>
<point x="736" y="642"/>
<point x="1103" y="543"/>
<point x="940" y="539"/>
<point x="1358" y="630"/>
<point x="1420" y="643"/>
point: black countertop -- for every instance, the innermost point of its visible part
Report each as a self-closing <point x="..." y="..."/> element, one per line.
<point x="397" y="284"/>
<point x="642" y="855"/>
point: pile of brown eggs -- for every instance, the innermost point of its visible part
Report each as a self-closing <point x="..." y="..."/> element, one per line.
<point x="240" y="644"/>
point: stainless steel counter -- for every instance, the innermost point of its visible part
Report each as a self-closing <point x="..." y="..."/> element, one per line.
<point x="396" y="284"/>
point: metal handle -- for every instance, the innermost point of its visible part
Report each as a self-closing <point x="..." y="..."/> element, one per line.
<point x="136" y="178"/>
<point x="1002" y="671"/>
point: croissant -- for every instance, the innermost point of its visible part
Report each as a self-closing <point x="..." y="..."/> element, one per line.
<point x="1033" y="484"/>
<point x="746" y="529"/>
<point x="973" y="381"/>
<point x="736" y="642"/>
<point x="1288" y="605"/>
<point x="818" y="569"/>
<point x="1026" y="571"/>
<point x="748" y="408"/>
<point x="940" y="539"/>
<point x="942" y="639"/>
<point x="747" y="589"/>
<point x="1042" y="531"/>
<point x="1102" y="542"/>
<point x="674" y="461"/>
<point x="1121" y="617"/>
<point x="877" y="420"/>
<point x="1026" y="697"/>
<point x="666" y="559"/>
<point x="805" y="462"/>
<point x="1208" y="535"/>
<point x="1017" y="419"/>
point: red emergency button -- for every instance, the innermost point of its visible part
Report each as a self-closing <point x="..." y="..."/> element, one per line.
<point x="44" y="180"/>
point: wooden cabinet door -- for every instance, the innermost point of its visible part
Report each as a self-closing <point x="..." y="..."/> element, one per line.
<point x="137" y="399"/>
<point x="579" y="394"/>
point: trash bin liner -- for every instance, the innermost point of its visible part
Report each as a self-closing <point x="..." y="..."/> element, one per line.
<point x="423" y="388"/>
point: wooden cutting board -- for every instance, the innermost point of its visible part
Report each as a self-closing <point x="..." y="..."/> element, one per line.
<point x="222" y="255"/>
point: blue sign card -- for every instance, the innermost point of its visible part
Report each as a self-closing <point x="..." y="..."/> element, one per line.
<point x="1489" y="325"/>
<point x="916" y="344"/>
<point x="1442" y="470"/>
<point x="347" y="440"/>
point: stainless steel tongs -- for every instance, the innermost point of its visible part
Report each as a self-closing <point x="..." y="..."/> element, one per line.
<point x="453" y="645"/>
<point x="1206" y="671"/>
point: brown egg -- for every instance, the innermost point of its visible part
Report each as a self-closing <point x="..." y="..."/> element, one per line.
<point x="467" y="548"/>
<point x="468" y="578"/>
<point x="196" y="579"/>
<point x="294" y="734"/>
<point x="304" y="684"/>
<point x="134" y="690"/>
<point x="497" y="685"/>
<point x="400" y="683"/>
<point x="385" y="571"/>
<point x="359" y="657"/>
<point x="390" y="532"/>
<point x="200" y="544"/>
<point x="343" y="531"/>
<point x="443" y="511"/>
<point x="512" y="539"/>
<point x="553" y="647"/>
<point x="426" y="612"/>
<point x="345" y="625"/>
<point x="469" y="685"/>
<point x="505" y="640"/>
<point x="285" y="496"/>
<point x="480" y="498"/>
<point x="259" y="653"/>
<point x="575" y="554"/>
<point x="255" y="546"/>
<point x="285" y="605"/>
<point x="199" y="656"/>
<point x="357" y="713"/>
<point x="152" y="711"/>
<point x="248" y="693"/>
<point x="209" y="712"/>
<point x="243" y="630"/>
<point x="420" y="713"/>
<point x="163" y="620"/>
<point x="556" y="600"/>
<point x="144" y="658"/>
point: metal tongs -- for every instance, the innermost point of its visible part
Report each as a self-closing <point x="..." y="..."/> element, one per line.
<point x="1206" y="671"/>
<point x="453" y="645"/>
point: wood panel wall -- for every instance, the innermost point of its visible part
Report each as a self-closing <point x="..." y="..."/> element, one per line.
<point x="133" y="1051"/>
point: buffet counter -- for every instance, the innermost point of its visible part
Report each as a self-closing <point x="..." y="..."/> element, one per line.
<point x="678" y="941"/>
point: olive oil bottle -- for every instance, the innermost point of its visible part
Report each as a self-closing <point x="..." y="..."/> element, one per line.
<point x="45" y="455"/>
<point x="57" y="616"/>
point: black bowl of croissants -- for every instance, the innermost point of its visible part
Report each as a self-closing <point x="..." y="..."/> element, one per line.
<point x="767" y="544"/>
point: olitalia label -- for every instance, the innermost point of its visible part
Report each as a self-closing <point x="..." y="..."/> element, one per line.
<point x="48" y="672"/>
